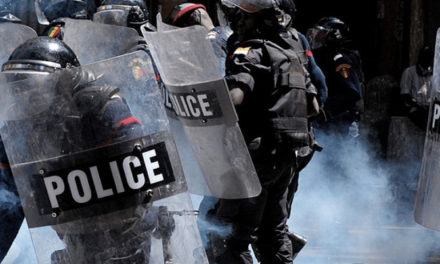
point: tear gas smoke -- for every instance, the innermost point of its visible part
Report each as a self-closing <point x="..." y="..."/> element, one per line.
<point x="356" y="208"/>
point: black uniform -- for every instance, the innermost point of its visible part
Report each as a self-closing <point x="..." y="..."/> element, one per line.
<point x="273" y="120"/>
<point x="11" y="213"/>
<point x="104" y="117"/>
<point x="344" y="77"/>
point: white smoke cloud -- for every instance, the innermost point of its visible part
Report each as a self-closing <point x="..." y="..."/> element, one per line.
<point x="356" y="208"/>
<point x="351" y="206"/>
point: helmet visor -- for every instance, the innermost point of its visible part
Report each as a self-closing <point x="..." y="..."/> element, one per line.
<point x="250" y="6"/>
<point x="316" y="37"/>
<point x="48" y="10"/>
<point x="115" y="14"/>
<point x="111" y="17"/>
<point x="26" y="94"/>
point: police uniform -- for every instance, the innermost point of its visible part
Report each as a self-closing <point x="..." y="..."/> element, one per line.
<point x="106" y="118"/>
<point x="272" y="136"/>
<point x="11" y="213"/>
<point x="344" y="77"/>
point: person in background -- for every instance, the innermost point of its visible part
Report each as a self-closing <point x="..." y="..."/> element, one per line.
<point x="415" y="87"/>
<point x="273" y="111"/>
<point x="341" y="64"/>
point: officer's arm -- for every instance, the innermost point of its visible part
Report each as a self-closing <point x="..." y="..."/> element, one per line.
<point x="316" y="74"/>
<point x="106" y="114"/>
<point x="243" y="64"/>
<point x="405" y="90"/>
<point x="349" y="78"/>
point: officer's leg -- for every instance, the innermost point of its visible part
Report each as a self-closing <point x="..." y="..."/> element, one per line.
<point x="244" y="217"/>
<point x="205" y="224"/>
<point x="11" y="212"/>
<point x="273" y="242"/>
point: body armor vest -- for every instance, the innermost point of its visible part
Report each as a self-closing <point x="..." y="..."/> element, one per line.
<point x="288" y="100"/>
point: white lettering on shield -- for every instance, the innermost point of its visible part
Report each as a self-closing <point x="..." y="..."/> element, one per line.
<point x="192" y="106"/>
<point x="435" y="115"/>
<point x="82" y="188"/>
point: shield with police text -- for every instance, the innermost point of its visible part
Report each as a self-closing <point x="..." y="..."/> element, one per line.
<point x="96" y="168"/>
<point x="11" y="36"/>
<point x="427" y="207"/>
<point x="92" y="41"/>
<point x="199" y="98"/>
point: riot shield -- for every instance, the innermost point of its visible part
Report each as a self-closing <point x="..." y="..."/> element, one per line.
<point x="12" y="35"/>
<point x="162" y="26"/>
<point x="119" y="199"/>
<point x="200" y="100"/>
<point x="93" y="41"/>
<point x="427" y="209"/>
<point x="250" y="6"/>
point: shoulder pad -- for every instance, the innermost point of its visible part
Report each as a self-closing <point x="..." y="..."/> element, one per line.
<point x="343" y="64"/>
<point x="344" y="69"/>
<point x="93" y="97"/>
<point x="294" y="33"/>
<point x="54" y="31"/>
<point x="242" y="51"/>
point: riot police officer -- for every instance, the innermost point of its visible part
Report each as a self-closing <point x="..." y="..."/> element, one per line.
<point x="341" y="65"/>
<point x="11" y="214"/>
<point x="101" y="113"/>
<point x="127" y="13"/>
<point x="317" y="78"/>
<point x="52" y="13"/>
<point x="268" y="85"/>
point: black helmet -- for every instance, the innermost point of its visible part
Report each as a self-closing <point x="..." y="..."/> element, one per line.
<point x="288" y="6"/>
<point x="267" y="14"/>
<point x="189" y="14"/>
<point x="329" y="31"/>
<point x="6" y="12"/>
<point x="49" y="10"/>
<point x="41" y="54"/>
<point x="40" y="74"/>
<point x="131" y="13"/>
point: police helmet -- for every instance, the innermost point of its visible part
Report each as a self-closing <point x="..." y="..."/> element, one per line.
<point x="189" y="14"/>
<point x="49" y="10"/>
<point x="41" y="54"/>
<point x="268" y="13"/>
<point x="288" y="6"/>
<point x="41" y="73"/>
<point x="328" y="31"/>
<point x="6" y="13"/>
<point x="132" y="13"/>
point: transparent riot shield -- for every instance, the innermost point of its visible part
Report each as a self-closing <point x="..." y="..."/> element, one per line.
<point x="250" y="6"/>
<point x="162" y="26"/>
<point x="427" y="207"/>
<point x="12" y="35"/>
<point x="93" y="41"/>
<point x="200" y="100"/>
<point x="97" y="186"/>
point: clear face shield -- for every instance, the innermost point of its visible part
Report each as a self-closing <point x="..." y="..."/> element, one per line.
<point x="49" y="10"/>
<point x="26" y="90"/>
<point x="316" y="37"/>
<point x="115" y="14"/>
<point x="249" y="6"/>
